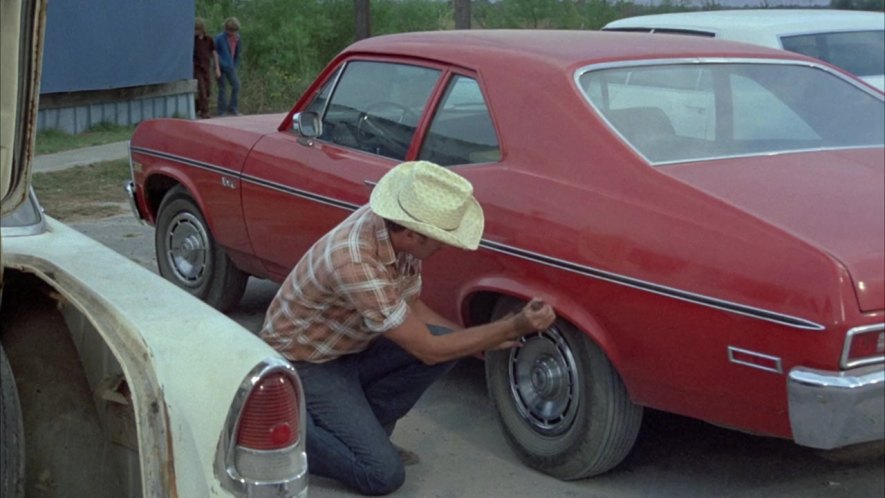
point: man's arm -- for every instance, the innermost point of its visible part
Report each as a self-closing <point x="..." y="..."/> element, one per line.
<point x="414" y="337"/>
<point x="427" y="315"/>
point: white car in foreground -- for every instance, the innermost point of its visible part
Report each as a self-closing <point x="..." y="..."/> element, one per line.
<point x="851" y="40"/>
<point x="113" y="381"/>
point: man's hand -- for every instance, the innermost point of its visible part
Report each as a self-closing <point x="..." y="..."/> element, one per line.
<point x="536" y="315"/>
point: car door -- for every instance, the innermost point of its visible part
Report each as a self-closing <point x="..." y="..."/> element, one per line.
<point x="295" y="189"/>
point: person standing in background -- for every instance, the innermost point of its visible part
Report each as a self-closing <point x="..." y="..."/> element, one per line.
<point x="204" y="58"/>
<point x="228" y="47"/>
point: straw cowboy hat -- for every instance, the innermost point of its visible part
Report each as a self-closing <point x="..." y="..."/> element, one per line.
<point x="432" y="201"/>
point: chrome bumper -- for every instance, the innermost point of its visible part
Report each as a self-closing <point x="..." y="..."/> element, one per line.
<point x="834" y="409"/>
<point x="133" y="204"/>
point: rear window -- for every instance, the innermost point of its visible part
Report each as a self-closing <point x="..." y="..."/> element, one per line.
<point x="688" y="112"/>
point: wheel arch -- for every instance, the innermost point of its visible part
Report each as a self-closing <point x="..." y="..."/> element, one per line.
<point x="159" y="183"/>
<point x="480" y="296"/>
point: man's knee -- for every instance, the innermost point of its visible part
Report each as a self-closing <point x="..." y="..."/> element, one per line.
<point x="382" y="479"/>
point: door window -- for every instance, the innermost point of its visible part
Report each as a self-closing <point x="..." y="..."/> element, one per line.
<point x="462" y="131"/>
<point x="376" y="106"/>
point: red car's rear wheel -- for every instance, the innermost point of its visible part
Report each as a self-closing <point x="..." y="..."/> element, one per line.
<point x="188" y="255"/>
<point x="560" y="402"/>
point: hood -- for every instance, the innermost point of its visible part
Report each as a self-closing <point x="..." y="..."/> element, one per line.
<point x="833" y="200"/>
<point x="256" y="123"/>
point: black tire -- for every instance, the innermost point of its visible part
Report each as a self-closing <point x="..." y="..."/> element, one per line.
<point x="563" y="407"/>
<point x="12" y="434"/>
<point x="188" y="255"/>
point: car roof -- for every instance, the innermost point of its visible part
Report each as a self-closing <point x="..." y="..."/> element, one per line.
<point x="772" y="21"/>
<point x="477" y="48"/>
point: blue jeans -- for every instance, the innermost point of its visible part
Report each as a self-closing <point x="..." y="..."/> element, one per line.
<point x="229" y="74"/>
<point x="353" y="404"/>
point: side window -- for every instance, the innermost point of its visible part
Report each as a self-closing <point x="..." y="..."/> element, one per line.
<point x="461" y="131"/>
<point x="858" y="52"/>
<point x="318" y="105"/>
<point x="375" y="107"/>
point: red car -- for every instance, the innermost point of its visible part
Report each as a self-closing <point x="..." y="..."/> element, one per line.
<point x="706" y="217"/>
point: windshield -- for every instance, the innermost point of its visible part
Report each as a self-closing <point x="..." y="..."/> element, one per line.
<point x="678" y="112"/>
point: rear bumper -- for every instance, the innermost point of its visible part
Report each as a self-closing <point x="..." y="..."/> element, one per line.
<point x="834" y="409"/>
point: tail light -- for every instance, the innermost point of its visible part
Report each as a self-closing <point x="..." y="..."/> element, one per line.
<point x="270" y="419"/>
<point x="864" y="345"/>
<point x="263" y="444"/>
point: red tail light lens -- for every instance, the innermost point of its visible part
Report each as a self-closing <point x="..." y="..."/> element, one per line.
<point x="270" y="418"/>
<point x="865" y="345"/>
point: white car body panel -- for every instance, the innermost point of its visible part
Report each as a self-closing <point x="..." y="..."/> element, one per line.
<point x="182" y="390"/>
<point x="763" y="27"/>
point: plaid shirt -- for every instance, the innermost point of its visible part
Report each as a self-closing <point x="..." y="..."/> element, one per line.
<point x="347" y="289"/>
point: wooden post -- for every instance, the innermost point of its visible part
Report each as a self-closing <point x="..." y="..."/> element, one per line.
<point x="462" y="14"/>
<point x="363" y="19"/>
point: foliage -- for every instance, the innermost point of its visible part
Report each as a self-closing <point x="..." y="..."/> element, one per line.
<point x="288" y="42"/>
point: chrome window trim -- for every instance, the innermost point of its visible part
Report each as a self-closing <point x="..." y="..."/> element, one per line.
<point x="779" y="369"/>
<point x="225" y="468"/>
<point x="27" y="230"/>
<point x="710" y="60"/>
<point x="846" y="347"/>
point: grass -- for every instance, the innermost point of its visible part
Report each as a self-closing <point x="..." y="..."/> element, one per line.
<point x="92" y="191"/>
<point x="50" y="141"/>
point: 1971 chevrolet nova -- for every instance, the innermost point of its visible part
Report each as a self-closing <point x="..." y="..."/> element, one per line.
<point x="707" y="218"/>
<point x="114" y="382"/>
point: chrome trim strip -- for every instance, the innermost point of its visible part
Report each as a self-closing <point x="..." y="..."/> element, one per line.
<point x="711" y="302"/>
<point x="776" y="359"/>
<point x="304" y="194"/>
<point x="300" y="193"/>
<point x="185" y="160"/>
<point x="843" y="360"/>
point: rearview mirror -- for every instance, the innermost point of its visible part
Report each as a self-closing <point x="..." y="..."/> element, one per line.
<point x="307" y="124"/>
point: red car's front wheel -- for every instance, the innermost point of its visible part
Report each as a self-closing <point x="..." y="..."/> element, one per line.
<point x="188" y="255"/>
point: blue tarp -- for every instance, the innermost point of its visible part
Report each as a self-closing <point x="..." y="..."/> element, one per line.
<point x="105" y="44"/>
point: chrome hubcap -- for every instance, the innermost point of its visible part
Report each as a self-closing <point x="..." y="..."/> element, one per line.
<point x="544" y="382"/>
<point x="187" y="249"/>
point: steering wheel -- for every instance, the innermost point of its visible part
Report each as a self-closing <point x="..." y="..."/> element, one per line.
<point x="378" y="125"/>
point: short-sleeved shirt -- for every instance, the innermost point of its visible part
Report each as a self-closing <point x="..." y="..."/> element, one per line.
<point x="346" y="291"/>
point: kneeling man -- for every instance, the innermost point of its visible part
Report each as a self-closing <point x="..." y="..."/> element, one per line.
<point x="350" y="318"/>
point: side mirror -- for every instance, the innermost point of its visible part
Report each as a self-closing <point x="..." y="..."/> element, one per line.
<point x="307" y="124"/>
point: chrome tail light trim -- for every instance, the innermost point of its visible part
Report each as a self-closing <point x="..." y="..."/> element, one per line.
<point x="225" y="464"/>
<point x="844" y="361"/>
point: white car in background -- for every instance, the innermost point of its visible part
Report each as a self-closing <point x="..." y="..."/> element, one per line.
<point x="851" y="40"/>
<point x="113" y="381"/>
